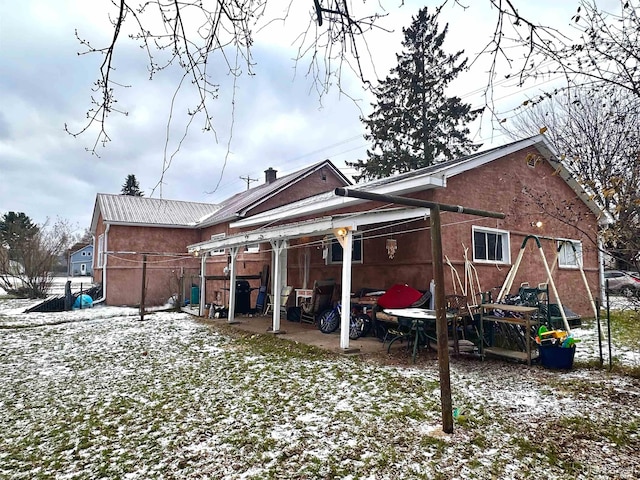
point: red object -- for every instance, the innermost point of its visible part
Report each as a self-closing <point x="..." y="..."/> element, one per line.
<point x="399" y="296"/>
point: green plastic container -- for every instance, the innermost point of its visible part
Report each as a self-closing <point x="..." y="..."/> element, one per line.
<point x="195" y="295"/>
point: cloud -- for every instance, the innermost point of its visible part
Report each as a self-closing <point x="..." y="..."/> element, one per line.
<point x="274" y="118"/>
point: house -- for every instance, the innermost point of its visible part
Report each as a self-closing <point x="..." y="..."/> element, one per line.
<point x="345" y="238"/>
<point x="135" y="232"/>
<point x="80" y="260"/>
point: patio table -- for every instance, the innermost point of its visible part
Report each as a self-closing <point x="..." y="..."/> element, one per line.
<point x="413" y="320"/>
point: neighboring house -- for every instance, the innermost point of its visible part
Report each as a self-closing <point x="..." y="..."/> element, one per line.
<point x="80" y="261"/>
<point x="523" y="180"/>
<point x="129" y="229"/>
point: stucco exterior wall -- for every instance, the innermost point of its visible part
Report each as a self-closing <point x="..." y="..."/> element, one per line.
<point x="317" y="182"/>
<point x="525" y="194"/>
<point x="167" y="262"/>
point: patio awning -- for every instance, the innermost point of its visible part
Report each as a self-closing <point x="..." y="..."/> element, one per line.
<point x="314" y="227"/>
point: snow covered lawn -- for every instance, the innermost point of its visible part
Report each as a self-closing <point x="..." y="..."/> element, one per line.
<point x="97" y="393"/>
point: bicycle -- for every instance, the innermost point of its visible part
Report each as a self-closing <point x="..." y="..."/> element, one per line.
<point x="359" y="323"/>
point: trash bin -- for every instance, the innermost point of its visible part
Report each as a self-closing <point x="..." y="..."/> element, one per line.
<point x="556" y="357"/>
<point x="195" y="295"/>
<point x="243" y="297"/>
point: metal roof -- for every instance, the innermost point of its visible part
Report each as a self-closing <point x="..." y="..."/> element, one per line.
<point x="130" y="210"/>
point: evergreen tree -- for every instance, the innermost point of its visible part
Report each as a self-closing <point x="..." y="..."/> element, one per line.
<point x="131" y="187"/>
<point x="414" y="124"/>
<point x="16" y="232"/>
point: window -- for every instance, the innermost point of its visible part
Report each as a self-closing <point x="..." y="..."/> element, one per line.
<point x="252" y="248"/>
<point x="89" y="253"/>
<point x="218" y="236"/>
<point x="100" y="250"/>
<point x="569" y="253"/>
<point x="335" y="250"/>
<point x="84" y="254"/>
<point x="490" y="245"/>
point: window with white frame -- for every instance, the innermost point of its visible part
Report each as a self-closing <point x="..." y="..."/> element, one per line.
<point x="218" y="251"/>
<point x="335" y="254"/>
<point x="569" y="253"/>
<point x="490" y="245"/>
<point x="100" y="250"/>
<point x="255" y="248"/>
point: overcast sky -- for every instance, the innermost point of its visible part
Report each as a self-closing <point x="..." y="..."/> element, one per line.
<point x="279" y="121"/>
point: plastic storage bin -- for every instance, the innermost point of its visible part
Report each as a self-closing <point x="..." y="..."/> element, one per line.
<point x="555" y="357"/>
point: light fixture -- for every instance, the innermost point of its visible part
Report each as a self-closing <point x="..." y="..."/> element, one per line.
<point x="196" y="252"/>
<point x="537" y="224"/>
<point x="341" y="234"/>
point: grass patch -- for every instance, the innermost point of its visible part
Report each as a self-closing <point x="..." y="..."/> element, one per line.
<point x="625" y="328"/>
<point x="544" y="450"/>
<point x="174" y="398"/>
<point x="625" y="335"/>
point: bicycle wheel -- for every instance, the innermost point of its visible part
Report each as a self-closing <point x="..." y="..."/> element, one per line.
<point x="358" y="325"/>
<point x="367" y="324"/>
<point x="355" y="327"/>
<point x="328" y="321"/>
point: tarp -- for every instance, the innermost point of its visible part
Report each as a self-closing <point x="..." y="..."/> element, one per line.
<point x="399" y="296"/>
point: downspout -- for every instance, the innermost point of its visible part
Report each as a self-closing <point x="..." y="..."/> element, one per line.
<point x="104" y="265"/>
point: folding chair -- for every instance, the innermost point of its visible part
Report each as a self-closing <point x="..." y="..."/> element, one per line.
<point x="284" y="299"/>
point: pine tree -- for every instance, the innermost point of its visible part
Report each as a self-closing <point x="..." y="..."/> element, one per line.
<point x="414" y="124"/>
<point x="131" y="187"/>
<point x="16" y="231"/>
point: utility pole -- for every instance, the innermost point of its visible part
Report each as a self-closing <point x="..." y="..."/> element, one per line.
<point x="248" y="179"/>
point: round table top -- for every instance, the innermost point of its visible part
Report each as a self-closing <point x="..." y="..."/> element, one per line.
<point x="420" y="313"/>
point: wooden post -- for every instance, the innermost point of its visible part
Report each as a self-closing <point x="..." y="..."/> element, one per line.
<point x="441" y="321"/>
<point x="144" y="289"/>
<point x="180" y="299"/>
<point x="438" y="275"/>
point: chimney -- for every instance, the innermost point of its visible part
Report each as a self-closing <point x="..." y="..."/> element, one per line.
<point x="270" y="175"/>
